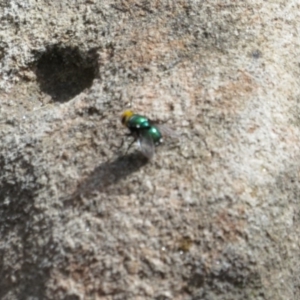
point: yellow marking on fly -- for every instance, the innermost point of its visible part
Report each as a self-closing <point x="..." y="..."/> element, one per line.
<point x="126" y="115"/>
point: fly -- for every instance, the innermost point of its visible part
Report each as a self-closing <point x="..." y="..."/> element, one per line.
<point x="148" y="134"/>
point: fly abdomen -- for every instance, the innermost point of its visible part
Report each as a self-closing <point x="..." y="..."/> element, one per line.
<point x="155" y="135"/>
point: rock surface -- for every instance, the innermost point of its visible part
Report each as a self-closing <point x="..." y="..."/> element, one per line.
<point x="215" y="215"/>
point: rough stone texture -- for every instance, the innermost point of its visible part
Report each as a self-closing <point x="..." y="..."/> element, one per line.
<point x="215" y="215"/>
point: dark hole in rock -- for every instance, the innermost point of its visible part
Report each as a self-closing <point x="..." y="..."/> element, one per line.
<point x="63" y="72"/>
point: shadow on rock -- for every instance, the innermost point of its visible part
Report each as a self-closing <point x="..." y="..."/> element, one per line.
<point x="105" y="177"/>
<point x="25" y="232"/>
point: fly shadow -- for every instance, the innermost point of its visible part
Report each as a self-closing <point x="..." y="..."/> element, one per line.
<point x="105" y="177"/>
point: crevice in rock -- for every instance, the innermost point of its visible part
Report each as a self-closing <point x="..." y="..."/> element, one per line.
<point x="64" y="71"/>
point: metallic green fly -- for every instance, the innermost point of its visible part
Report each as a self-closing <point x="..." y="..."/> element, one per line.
<point x="147" y="133"/>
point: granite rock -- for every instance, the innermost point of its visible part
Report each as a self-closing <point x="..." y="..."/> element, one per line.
<point x="215" y="214"/>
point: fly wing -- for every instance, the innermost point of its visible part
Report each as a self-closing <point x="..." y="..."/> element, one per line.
<point x="146" y="144"/>
<point x="166" y="131"/>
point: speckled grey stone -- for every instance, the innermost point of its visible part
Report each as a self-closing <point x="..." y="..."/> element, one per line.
<point x="215" y="215"/>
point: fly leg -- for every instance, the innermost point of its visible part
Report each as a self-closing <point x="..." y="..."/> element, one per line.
<point x="135" y="138"/>
<point x="130" y="145"/>
<point x="122" y="142"/>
